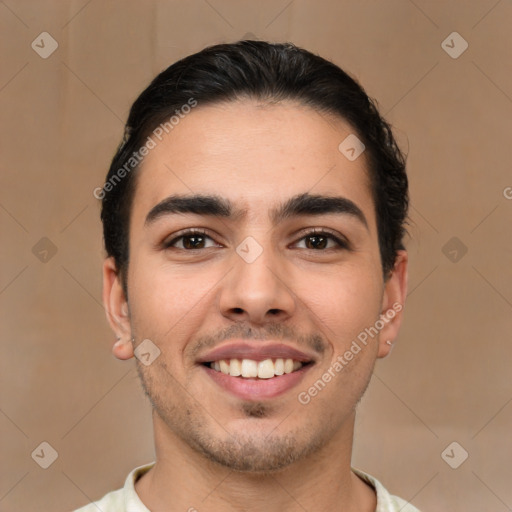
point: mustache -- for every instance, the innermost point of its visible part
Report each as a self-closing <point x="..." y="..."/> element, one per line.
<point x="274" y="331"/>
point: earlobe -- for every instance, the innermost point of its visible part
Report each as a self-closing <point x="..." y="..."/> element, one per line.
<point x="390" y="344"/>
<point x="123" y="349"/>
<point x="116" y="309"/>
<point x="393" y="301"/>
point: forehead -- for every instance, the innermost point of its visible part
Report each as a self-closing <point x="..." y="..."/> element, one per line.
<point x="253" y="155"/>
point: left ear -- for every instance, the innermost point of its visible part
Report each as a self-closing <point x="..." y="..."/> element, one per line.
<point x="393" y="301"/>
<point x="116" y="309"/>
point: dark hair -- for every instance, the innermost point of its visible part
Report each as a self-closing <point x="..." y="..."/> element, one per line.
<point x="267" y="72"/>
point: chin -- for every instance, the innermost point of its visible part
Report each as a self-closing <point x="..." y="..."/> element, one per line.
<point x="256" y="451"/>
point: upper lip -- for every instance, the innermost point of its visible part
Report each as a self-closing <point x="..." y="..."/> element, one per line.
<point x="256" y="352"/>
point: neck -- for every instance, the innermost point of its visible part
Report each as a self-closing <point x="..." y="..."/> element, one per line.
<point x="183" y="479"/>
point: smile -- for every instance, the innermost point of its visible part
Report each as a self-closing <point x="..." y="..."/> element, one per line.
<point x="256" y="370"/>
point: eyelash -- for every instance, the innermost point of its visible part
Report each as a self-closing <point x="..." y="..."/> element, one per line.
<point x="342" y="243"/>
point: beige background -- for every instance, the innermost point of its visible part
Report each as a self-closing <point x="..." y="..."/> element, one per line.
<point x="448" y="378"/>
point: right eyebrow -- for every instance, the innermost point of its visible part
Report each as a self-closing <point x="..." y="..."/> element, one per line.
<point x="197" y="204"/>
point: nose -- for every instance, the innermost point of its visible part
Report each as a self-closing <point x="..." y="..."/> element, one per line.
<point x="257" y="291"/>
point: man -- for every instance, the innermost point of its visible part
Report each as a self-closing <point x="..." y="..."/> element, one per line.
<point x="253" y="220"/>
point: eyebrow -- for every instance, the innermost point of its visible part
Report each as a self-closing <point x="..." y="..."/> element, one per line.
<point x="216" y="206"/>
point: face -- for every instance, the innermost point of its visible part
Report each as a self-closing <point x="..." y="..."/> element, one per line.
<point x="263" y="277"/>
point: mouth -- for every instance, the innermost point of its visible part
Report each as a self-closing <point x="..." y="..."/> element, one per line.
<point x="257" y="370"/>
<point x="252" y="380"/>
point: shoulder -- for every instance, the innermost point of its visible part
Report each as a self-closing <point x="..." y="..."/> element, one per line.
<point x="385" y="501"/>
<point x="112" y="502"/>
<point x="121" y="500"/>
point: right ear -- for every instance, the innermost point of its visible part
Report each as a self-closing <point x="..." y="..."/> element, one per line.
<point x="116" y="308"/>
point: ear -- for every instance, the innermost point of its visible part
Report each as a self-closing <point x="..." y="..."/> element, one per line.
<point x="393" y="301"/>
<point x="116" y="308"/>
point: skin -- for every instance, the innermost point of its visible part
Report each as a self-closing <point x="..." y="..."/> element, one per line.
<point x="275" y="454"/>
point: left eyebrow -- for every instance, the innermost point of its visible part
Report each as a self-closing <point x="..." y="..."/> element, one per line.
<point x="212" y="205"/>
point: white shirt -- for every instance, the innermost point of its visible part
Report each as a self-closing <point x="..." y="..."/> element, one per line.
<point x="127" y="500"/>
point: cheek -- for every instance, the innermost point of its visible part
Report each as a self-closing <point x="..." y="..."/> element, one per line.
<point x="344" y="302"/>
<point x="167" y="303"/>
<point x="154" y="295"/>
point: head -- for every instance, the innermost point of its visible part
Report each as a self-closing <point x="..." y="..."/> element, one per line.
<point x="295" y="244"/>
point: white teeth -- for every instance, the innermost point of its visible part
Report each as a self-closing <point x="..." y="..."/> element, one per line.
<point x="235" y="368"/>
<point x="224" y="366"/>
<point x="249" y="368"/>
<point x="266" y="369"/>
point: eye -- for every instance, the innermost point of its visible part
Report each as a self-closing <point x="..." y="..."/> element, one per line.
<point x="191" y="239"/>
<point x="319" y="240"/>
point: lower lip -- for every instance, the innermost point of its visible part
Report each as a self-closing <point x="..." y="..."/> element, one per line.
<point x="257" y="389"/>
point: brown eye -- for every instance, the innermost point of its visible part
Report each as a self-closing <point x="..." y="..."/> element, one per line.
<point x="319" y="240"/>
<point x="316" y="242"/>
<point x="188" y="241"/>
<point x="193" y="241"/>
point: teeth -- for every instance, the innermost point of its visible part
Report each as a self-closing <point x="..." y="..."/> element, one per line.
<point x="279" y="367"/>
<point x="235" y="368"/>
<point x="266" y="369"/>
<point x="224" y="366"/>
<point x="249" y="368"/>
